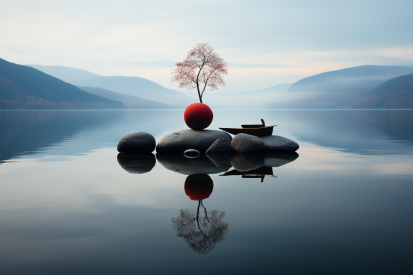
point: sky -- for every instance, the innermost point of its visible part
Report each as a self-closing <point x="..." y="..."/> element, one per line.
<point x="264" y="42"/>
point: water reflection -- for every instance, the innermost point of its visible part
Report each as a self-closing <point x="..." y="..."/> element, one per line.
<point x="257" y="173"/>
<point x="27" y="132"/>
<point x="249" y="166"/>
<point x="365" y="132"/>
<point x="258" y="166"/>
<point x="137" y="164"/>
<point x="201" y="230"/>
<point x="181" y="164"/>
<point x="247" y="162"/>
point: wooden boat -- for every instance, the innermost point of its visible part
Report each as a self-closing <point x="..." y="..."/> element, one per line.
<point x="259" y="130"/>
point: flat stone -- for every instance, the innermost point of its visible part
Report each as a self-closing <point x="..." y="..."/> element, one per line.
<point x="277" y="160"/>
<point x="279" y="144"/>
<point x="248" y="162"/>
<point x="191" y="153"/>
<point x="179" y="141"/>
<point x="137" y="143"/>
<point x="221" y="146"/>
<point x="136" y="164"/>
<point x="180" y="164"/>
<point x="247" y="144"/>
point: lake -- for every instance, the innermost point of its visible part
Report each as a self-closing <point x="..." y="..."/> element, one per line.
<point x="341" y="205"/>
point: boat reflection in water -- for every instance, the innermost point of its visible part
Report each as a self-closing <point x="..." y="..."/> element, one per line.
<point x="258" y="166"/>
<point x="256" y="173"/>
<point x="201" y="229"/>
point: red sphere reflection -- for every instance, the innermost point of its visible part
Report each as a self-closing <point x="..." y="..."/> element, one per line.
<point x="198" y="116"/>
<point x="198" y="187"/>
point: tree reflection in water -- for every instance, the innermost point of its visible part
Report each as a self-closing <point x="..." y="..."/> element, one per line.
<point x="202" y="230"/>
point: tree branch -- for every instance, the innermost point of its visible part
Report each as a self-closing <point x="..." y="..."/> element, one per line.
<point x="206" y="82"/>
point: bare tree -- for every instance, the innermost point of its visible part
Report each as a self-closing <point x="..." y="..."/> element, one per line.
<point x="201" y="68"/>
<point x="201" y="232"/>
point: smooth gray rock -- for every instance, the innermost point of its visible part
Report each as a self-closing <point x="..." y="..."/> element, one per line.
<point x="191" y="153"/>
<point x="136" y="164"/>
<point x="180" y="164"/>
<point x="179" y="141"/>
<point x="247" y="144"/>
<point x="277" y="144"/>
<point x="221" y="146"/>
<point x="277" y="160"/>
<point x="248" y="162"/>
<point x="136" y="143"/>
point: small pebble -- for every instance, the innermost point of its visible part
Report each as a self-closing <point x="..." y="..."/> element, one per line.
<point x="191" y="153"/>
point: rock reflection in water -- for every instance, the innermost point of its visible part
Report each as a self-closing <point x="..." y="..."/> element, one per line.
<point x="137" y="164"/>
<point x="277" y="160"/>
<point x="181" y="164"/>
<point x="244" y="163"/>
<point x="202" y="230"/>
<point x="247" y="162"/>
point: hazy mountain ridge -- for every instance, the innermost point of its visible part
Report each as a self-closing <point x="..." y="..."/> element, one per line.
<point x="122" y="85"/>
<point x="139" y="87"/>
<point x="330" y="90"/>
<point x="253" y="99"/>
<point x="66" y="74"/>
<point x="394" y="93"/>
<point x="25" y="87"/>
<point x="337" y="89"/>
<point x="276" y="88"/>
<point x="130" y="101"/>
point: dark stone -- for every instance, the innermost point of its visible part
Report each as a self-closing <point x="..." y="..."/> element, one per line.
<point x="247" y="162"/>
<point x="180" y="164"/>
<point x="137" y="143"/>
<point x="179" y="141"/>
<point x="221" y="146"/>
<point x="279" y="144"/>
<point x="191" y="153"/>
<point x="221" y="161"/>
<point x="277" y="160"/>
<point x="247" y="144"/>
<point x="137" y="164"/>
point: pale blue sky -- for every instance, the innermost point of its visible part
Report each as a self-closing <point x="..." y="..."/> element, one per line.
<point x="265" y="42"/>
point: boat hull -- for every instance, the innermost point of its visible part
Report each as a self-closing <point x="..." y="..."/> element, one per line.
<point x="259" y="132"/>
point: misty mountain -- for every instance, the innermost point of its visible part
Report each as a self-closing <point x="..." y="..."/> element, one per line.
<point x="26" y="87"/>
<point x="65" y="73"/>
<point x="253" y="99"/>
<point x="130" y="101"/>
<point x="394" y="93"/>
<point x="337" y="89"/>
<point x="277" y="88"/>
<point x="139" y="87"/>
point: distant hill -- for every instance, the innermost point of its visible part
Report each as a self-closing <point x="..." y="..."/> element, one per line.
<point x="337" y="89"/>
<point x="241" y="100"/>
<point x="130" y="101"/>
<point x="277" y="88"/>
<point x="394" y="93"/>
<point x="139" y="87"/>
<point x="65" y="73"/>
<point x="25" y="87"/>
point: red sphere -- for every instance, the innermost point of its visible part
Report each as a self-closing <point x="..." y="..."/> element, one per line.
<point x="198" y="116"/>
<point x="198" y="187"/>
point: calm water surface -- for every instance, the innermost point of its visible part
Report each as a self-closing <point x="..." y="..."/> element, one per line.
<point x="70" y="205"/>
